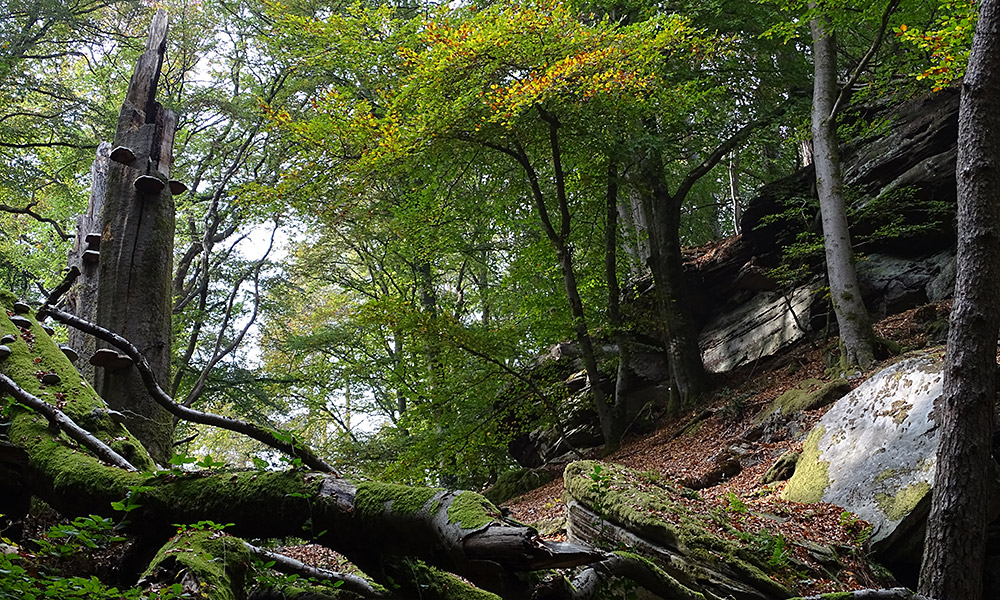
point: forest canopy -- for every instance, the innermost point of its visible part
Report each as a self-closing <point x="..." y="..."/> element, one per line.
<point x="383" y="215"/>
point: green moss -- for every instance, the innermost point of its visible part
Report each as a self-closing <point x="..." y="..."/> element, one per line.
<point x="73" y="395"/>
<point x="808" y="394"/>
<point x="624" y="500"/>
<point x="812" y="475"/>
<point x="898" y="506"/>
<point x="517" y="482"/>
<point x="217" y="562"/>
<point x="373" y="498"/>
<point x="472" y="511"/>
<point x="422" y="580"/>
<point x="886" y="474"/>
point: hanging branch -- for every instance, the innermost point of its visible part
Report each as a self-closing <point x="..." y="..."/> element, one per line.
<point x="271" y="438"/>
<point x="59" y="419"/>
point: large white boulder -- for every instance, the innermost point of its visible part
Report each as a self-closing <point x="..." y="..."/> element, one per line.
<point x="874" y="451"/>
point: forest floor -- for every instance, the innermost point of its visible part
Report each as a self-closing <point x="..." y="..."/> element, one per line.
<point x="680" y="452"/>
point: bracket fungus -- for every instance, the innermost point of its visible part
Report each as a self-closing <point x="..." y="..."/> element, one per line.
<point x="50" y="378"/>
<point x="49" y="330"/>
<point x="20" y="322"/>
<point x="110" y="360"/>
<point x="4" y="351"/>
<point x="21" y="308"/>
<point x="177" y="188"/>
<point x="148" y="184"/>
<point x="91" y="256"/>
<point x="70" y="353"/>
<point x="122" y="155"/>
<point x="93" y="240"/>
<point x="8" y="339"/>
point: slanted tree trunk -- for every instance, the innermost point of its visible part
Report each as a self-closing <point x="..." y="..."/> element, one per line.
<point x="956" y="528"/>
<point x="137" y="239"/>
<point x="852" y="316"/>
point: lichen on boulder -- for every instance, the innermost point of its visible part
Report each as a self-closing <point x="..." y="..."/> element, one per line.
<point x="874" y="451"/>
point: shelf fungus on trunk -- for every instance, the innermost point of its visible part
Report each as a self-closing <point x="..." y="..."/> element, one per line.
<point x="50" y="378"/>
<point x="177" y="188"/>
<point x="20" y="322"/>
<point x="91" y="256"/>
<point x="123" y="155"/>
<point x="70" y="353"/>
<point x="110" y="360"/>
<point x="7" y="339"/>
<point x="93" y="240"/>
<point x="21" y="308"/>
<point x="148" y="185"/>
<point x="4" y="351"/>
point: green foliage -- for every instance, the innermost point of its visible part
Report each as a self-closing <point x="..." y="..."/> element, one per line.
<point x="734" y="504"/>
<point x="80" y="535"/>
<point x="945" y="42"/>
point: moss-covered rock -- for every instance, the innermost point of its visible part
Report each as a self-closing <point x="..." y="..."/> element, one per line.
<point x="873" y="453"/>
<point x="516" y="482"/>
<point x="808" y="394"/>
<point x="812" y="473"/>
<point x="681" y="540"/>
<point x="204" y="564"/>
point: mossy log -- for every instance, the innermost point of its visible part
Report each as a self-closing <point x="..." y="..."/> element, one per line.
<point x="382" y="528"/>
<point x="886" y="594"/>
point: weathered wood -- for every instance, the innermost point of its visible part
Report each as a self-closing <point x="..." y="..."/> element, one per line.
<point x="136" y="255"/>
<point x="81" y="300"/>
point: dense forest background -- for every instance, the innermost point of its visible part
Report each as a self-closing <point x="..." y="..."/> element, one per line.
<point x="392" y="210"/>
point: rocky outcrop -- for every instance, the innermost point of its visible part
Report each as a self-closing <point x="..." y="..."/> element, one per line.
<point x="892" y="284"/>
<point x="700" y="549"/>
<point x="768" y="322"/>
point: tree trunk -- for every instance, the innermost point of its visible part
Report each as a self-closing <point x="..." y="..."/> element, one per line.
<point x="81" y="300"/>
<point x="953" y="552"/>
<point x="662" y="213"/>
<point x="137" y="248"/>
<point x="852" y="316"/>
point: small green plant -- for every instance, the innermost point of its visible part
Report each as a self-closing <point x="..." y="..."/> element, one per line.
<point x="601" y="486"/>
<point x="81" y="534"/>
<point x="201" y="526"/>
<point x="859" y="530"/>
<point x="652" y="476"/>
<point x="734" y="504"/>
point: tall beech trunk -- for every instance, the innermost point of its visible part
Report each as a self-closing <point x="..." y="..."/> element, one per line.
<point x="956" y="528"/>
<point x="136" y="248"/>
<point x="852" y="317"/>
<point x="560" y="240"/>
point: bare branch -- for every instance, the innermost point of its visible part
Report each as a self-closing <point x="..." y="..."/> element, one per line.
<point x="271" y="438"/>
<point x="27" y="210"/>
<point x="287" y="564"/>
<point x="59" y="419"/>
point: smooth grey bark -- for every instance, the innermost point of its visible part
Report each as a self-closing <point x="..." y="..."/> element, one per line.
<point x="952" y="564"/>
<point x="853" y="321"/>
<point x="137" y="241"/>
